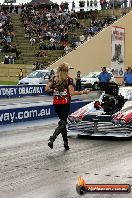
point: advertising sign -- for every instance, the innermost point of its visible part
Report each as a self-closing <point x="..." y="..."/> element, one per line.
<point x="10" y="1"/>
<point x="32" y="112"/>
<point x="20" y="91"/>
<point x="118" y="50"/>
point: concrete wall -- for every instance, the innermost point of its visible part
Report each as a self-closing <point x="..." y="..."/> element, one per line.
<point x="96" y="52"/>
<point x="8" y="72"/>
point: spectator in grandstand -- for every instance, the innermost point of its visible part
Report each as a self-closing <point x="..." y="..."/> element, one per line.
<point x="77" y="43"/>
<point x="36" y="66"/>
<point x="41" y="54"/>
<point x="66" y="38"/>
<point x="88" y="37"/>
<point x="52" y="40"/>
<point x="91" y="3"/>
<point x="16" y="9"/>
<point x="18" y="53"/>
<point x="11" y="59"/>
<point x="125" y="3"/>
<point x="82" y="38"/>
<point x="61" y="28"/>
<point x="62" y="6"/>
<point x="42" y="46"/>
<point x="67" y="49"/>
<point x="128" y="77"/>
<point x="87" y="3"/>
<point x="130" y="3"/>
<point x="95" y="3"/>
<point x="7" y="39"/>
<point x="102" y="4"/>
<point x="6" y="59"/>
<point x="104" y="78"/>
<point x="52" y="46"/>
<point x="32" y="41"/>
<point x="1" y="31"/>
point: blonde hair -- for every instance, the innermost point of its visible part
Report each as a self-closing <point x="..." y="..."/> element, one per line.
<point x="62" y="72"/>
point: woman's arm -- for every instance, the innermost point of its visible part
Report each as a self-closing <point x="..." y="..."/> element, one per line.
<point x="73" y="92"/>
<point x="48" y="87"/>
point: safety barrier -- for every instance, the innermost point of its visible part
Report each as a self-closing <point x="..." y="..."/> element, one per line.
<point x="15" y="113"/>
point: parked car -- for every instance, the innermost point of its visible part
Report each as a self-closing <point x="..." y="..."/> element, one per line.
<point x="36" y="77"/>
<point x="91" y="80"/>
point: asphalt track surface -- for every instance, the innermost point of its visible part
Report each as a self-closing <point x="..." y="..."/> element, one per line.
<point x="30" y="169"/>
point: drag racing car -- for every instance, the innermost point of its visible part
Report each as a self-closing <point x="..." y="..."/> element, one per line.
<point x="110" y="115"/>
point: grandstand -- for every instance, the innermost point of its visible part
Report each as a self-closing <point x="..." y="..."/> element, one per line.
<point x="96" y="52"/>
<point x="31" y="53"/>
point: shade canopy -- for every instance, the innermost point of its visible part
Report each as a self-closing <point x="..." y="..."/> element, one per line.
<point x="41" y="2"/>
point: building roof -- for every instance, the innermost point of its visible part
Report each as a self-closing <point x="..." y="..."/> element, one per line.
<point x="39" y="2"/>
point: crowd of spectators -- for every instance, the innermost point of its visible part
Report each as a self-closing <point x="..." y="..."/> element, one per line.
<point x="41" y="54"/>
<point x="106" y="4"/>
<point x="7" y="35"/>
<point x="53" y="29"/>
<point x="56" y="30"/>
<point x="95" y="4"/>
<point x="97" y="25"/>
<point x="39" y="65"/>
<point x="113" y="4"/>
<point x="42" y="26"/>
<point x="9" y="59"/>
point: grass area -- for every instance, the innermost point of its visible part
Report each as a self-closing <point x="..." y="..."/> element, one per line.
<point x="8" y="83"/>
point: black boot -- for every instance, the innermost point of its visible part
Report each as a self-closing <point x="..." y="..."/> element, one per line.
<point x="66" y="146"/>
<point x="51" y="140"/>
<point x="64" y="135"/>
<point x="61" y="127"/>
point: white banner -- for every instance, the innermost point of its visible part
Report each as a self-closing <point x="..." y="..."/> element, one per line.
<point x="118" y="50"/>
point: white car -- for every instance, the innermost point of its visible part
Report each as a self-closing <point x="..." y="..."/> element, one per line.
<point x="36" y="77"/>
<point x="91" y="80"/>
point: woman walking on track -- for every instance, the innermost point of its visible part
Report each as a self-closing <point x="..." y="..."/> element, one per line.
<point x="62" y="88"/>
